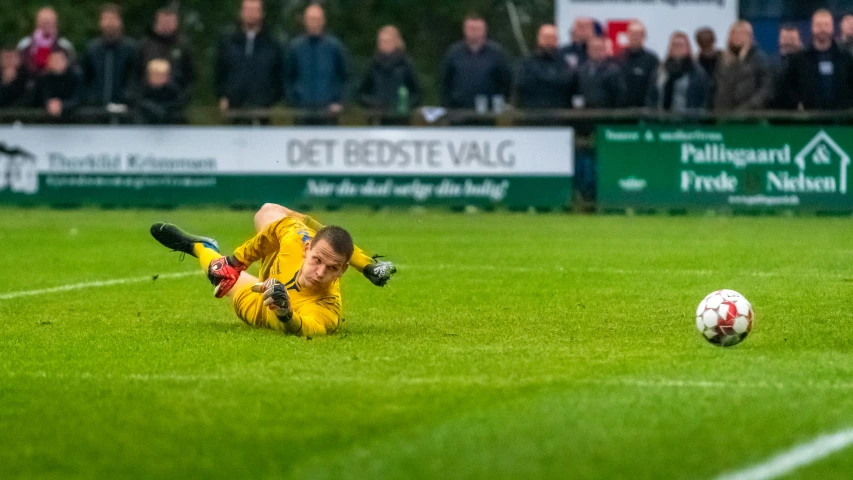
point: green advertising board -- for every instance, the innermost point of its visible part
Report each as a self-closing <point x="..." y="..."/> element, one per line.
<point x="241" y="166"/>
<point x="732" y="167"/>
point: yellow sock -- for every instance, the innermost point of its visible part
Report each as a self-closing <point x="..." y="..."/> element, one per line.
<point x="205" y="255"/>
<point x="359" y="258"/>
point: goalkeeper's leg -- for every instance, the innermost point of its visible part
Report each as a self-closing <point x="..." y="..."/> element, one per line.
<point x="204" y="248"/>
<point x="248" y="306"/>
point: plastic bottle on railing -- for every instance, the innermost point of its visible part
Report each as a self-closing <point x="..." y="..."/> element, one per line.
<point x="403" y="100"/>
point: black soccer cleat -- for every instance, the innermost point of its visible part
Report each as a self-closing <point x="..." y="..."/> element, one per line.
<point x="178" y="240"/>
<point x="379" y="272"/>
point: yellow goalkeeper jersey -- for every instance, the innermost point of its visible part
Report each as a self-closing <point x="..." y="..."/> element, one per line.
<point x="279" y="248"/>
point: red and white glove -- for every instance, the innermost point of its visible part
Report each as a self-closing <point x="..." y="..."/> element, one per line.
<point x="223" y="274"/>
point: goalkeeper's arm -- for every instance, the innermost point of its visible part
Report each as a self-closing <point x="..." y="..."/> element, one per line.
<point x="278" y="301"/>
<point x="262" y="245"/>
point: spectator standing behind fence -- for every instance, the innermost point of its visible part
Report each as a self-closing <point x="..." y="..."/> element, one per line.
<point x="13" y="79"/>
<point x="59" y="89"/>
<point x="638" y="65"/>
<point x="845" y="40"/>
<point x="545" y="80"/>
<point x="36" y="48"/>
<point x="821" y="77"/>
<point x="249" y="63"/>
<point x="709" y="58"/>
<point x="575" y="53"/>
<point x="744" y="77"/>
<point x="166" y="41"/>
<point x="680" y="84"/>
<point x="475" y="70"/>
<point x="789" y="44"/>
<point x="161" y="100"/>
<point x="108" y="65"/>
<point x="600" y="81"/>
<point x="316" y="68"/>
<point x="391" y="82"/>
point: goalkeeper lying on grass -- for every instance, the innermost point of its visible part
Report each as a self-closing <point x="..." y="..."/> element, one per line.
<point x="298" y="291"/>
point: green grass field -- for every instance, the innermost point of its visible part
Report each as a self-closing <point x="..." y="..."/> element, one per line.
<point x="508" y="346"/>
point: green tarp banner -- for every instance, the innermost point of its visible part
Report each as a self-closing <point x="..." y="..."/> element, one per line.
<point x="737" y="167"/>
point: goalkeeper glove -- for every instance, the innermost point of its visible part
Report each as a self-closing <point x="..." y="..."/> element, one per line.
<point x="276" y="298"/>
<point x="379" y="272"/>
<point x="223" y="274"/>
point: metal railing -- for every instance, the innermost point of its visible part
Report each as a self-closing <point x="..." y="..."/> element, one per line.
<point x="510" y="117"/>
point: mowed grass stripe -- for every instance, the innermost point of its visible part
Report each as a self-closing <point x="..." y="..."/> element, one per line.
<point x="485" y="381"/>
<point x="443" y="267"/>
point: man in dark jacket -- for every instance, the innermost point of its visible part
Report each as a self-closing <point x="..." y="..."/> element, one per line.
<point x="600" y="80"/>
<point x="474" y="67"/>
<point x="166" y="42"/>
<point x="789" y="45"/>
<point x="249" y="63"/>
<point x="639" y="65"/>
<point x="316" y="68"/>
<point x="575" y="54"/>
<point x="709" y="59"/>
<point x="545" y="80"/>
<point x="708" y="56"/>
<point x="744" y="76"/>
<point x="58" y="91"/>
<point x="821" y="77"/>
<point x="108" y="66"/>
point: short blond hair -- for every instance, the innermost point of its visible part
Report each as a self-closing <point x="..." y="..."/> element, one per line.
<point x="158" y="65"/>
<point x="401" y="44"/>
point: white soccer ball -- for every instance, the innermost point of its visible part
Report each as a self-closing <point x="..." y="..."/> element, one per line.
<point x="724" y="318"/>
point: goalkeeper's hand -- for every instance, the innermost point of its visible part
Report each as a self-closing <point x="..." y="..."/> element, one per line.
<point x="223" y="274"/>
<point x="276" y="298"/>
<point x="379" y="272"/>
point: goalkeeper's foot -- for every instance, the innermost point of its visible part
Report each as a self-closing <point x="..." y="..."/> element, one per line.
<point x="379" y="272"/>
<point x="178" y="240"/>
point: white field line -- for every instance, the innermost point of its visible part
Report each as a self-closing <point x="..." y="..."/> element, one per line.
<point x="796" y="457"/>
<point x="96" y="284"/>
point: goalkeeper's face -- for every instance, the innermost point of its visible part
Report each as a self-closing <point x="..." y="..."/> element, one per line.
<point x="322" y="265"/>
